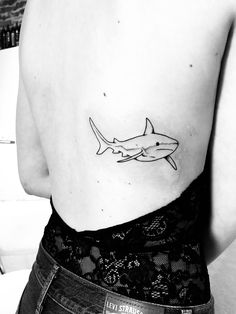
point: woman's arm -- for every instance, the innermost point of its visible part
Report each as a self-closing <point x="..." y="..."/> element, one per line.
<point x="32" y="165"/>
<point x="223" y="219"/>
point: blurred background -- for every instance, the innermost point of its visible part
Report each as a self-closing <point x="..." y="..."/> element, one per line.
<point x="11" y="12"/>
<point x="23" y="217"/>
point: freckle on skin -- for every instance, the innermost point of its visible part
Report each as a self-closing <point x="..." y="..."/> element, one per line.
<point x="98" y="181"/>
<point x="104" y="94"/>
<point x="118" y="21"/>
<point x="191" y="65"/>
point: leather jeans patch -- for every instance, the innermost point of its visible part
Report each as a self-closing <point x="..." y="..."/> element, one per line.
<point x="122" y="305"/>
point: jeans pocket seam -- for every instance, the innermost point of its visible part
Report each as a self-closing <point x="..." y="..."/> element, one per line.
<point x="37" y="277"/>
<point x="61" y="305"/>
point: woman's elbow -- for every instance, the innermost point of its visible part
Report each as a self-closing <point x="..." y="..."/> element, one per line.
<point x="37" y="186"/>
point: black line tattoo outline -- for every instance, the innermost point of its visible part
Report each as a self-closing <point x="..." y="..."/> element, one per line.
<point x="148" y="147"/>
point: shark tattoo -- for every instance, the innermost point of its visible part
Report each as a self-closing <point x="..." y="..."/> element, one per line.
<point x="149" y="146"/>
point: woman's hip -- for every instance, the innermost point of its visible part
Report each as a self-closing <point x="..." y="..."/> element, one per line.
<point x="53" y="289"/>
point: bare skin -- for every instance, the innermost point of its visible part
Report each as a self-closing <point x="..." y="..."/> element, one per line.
<point x="120" y="62"/>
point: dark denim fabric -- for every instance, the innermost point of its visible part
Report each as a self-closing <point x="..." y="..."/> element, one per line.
<point x="52" y="289"/>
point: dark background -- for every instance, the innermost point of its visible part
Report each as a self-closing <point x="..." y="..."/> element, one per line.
<point x="11" y="13"/>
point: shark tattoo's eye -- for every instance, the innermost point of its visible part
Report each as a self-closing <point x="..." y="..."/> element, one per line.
<point x="157" y="143"/>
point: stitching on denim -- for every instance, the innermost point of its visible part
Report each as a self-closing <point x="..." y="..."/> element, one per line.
<point x="61" y="305"/>
<point x="42" y="283"/>
<point x="64" y="299"/>
<point x="38" y="274"/>
<point x="37" y="277"/>
<point x="68" y="310"/>
<point x="36" y="271"/>
<point x="45" y="288"/>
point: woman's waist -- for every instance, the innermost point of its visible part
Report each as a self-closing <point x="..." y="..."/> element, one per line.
<point x="164" y="227"/>
<point x="95" y="213"/>
<point x="93" y="206"/>
<point x="148" y="239"/>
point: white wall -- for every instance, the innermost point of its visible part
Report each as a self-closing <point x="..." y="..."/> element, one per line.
<point x="22" y="217"/>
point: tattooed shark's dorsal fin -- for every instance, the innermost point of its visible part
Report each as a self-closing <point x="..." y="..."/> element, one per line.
<point x="115" y="140"/>
<point x="149" y="128"/>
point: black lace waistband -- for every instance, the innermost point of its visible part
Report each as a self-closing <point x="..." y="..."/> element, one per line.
<point x="156" y="257"/>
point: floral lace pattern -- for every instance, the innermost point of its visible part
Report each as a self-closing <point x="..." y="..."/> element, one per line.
<point x="156" y="258"/>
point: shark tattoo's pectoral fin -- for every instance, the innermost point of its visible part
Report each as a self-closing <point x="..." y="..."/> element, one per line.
<point x="132" y="157"/>
<point x="171" y="162"/>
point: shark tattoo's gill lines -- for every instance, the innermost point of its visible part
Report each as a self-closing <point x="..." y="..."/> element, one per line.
<point x="148" y="147"/>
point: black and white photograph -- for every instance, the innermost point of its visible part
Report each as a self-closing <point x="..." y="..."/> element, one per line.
<point x="117" y="157"/>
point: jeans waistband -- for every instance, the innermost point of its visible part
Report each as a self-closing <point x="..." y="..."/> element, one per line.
<point x="97" y="299"/>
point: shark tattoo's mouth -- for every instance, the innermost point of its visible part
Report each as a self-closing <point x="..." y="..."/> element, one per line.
<point x="165" y="149"/>
<point x="148" y="147"/>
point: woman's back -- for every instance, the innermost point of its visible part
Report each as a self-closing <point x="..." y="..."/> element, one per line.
<point x="110" y="74"/>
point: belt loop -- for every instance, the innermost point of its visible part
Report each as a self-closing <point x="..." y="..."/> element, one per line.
<point x="45" y="288"/>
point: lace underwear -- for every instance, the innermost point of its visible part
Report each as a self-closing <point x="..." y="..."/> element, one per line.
<point x="155" y="258"/>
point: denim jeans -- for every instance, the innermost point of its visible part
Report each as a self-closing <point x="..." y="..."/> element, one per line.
<point x="52" y="289"/>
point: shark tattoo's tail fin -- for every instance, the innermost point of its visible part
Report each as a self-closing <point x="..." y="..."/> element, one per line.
<point x="104" y="144"/>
